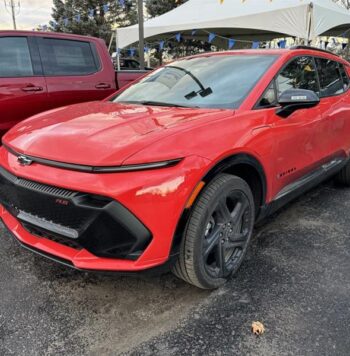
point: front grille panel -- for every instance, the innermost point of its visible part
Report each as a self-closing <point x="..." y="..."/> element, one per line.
<point x="43" y="201"/>
<point x="78" y="220"/>
<point x="57" y="192"/>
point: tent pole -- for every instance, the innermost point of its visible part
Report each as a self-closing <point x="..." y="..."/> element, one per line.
<point x="141" y="35"/>
<point x="311" y="6"/>
<point x="110" y="43"/>
<point x="117" y="49"/>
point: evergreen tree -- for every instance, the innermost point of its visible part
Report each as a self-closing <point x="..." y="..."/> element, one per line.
<point x="172" y="47"/>
<point x="159" y="7"/>
<point x="92" y="17"/>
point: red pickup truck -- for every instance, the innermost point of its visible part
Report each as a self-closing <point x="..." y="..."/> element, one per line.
<point x="42" y="70"/>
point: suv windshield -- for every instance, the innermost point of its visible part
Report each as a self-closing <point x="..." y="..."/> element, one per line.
<point x="207" y="82"/>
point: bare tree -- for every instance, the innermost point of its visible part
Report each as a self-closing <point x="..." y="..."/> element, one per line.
<point x="345" y="3"/>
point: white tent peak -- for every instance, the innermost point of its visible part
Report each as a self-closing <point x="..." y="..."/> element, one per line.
<point x="251" y="19"/>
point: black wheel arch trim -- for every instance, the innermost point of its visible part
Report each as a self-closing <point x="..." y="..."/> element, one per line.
<point x="237" y="159"/>
<point x="215" y="169"/>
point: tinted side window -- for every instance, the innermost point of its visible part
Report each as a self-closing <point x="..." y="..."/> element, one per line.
<point x="330" y="80"/>
<point x="65" y="57"/>
<point x="344" y="75"/>
<point x="15" y="58"/>
<point x="298" y="74"/>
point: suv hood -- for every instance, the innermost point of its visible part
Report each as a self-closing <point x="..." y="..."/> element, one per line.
<point x="101" y="133"/>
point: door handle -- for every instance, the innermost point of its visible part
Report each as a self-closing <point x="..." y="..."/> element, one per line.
<point x="32" y="88"/>
<point x="102" y="86"/>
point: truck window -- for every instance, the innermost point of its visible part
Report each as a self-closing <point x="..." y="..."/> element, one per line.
<point x="67" y="57"/>
<point x="15" y="58"/>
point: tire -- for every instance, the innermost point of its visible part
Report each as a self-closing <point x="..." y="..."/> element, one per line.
<point x="343" y="177"/>
<point x="217" y="234"/>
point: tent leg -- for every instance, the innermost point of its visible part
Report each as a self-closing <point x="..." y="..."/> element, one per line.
<point x="310" y="23"/>
<point x="110" y="43"/>
<point x="117" y="50"/>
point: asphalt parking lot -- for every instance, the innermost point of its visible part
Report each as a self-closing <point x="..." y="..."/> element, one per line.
<point x="296" y="280"/>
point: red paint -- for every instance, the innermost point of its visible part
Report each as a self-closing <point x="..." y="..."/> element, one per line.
<point x="105" y="134"/>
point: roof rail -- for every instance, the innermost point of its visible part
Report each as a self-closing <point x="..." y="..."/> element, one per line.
<point x="314" y="49"/>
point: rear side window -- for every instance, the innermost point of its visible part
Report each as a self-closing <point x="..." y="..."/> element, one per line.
<point x="344" y="76"/>
<point x="330" y="79"/>
<point x="66" y="57"/>
<point x="15" y="60"/>
<point x="298" y="74"/>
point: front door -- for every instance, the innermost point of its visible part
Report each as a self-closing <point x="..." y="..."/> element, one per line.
<point x="293" y="137"/>
<point x="23" y="90"/>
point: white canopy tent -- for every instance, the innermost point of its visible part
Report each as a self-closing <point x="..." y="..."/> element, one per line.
<point x="250" y="19"/>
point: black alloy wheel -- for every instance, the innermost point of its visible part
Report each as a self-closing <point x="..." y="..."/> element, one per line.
<point x="218" y="233"/>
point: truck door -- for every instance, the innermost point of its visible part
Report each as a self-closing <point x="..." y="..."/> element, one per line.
<point x="23" y="90"/>
<point x="74" y="71"/>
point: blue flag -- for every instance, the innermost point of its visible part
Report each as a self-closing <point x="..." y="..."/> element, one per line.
<point x="91" y="12"/>
<point x="193" y="32"/>
<point x="132" y="52"/>
<point x="122" y="3"/>
<point x="161" y="45"/>
<point x="178" y="37"/>
<point x="65" y="21"/>
<point x="211" y="37"/>
<point x="282" y="44"/>
<point x="105" y="8"/>
<point x="231" y="43"/>
<point x="255" y="45"/>
<point x="77" y="18"/>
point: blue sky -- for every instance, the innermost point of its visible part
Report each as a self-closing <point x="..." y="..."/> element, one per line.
<point x="32" y="14"/>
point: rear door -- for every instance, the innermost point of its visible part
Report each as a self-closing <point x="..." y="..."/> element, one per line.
<point x="335" y="108"/>
<point x="23" y="90"/>
<point x="74" y="71"/>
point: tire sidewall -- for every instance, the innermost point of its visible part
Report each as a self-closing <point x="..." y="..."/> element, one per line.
<point x="214" y="192"/>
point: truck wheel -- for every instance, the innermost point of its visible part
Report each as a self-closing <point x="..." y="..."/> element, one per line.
<point x="217" y="234"/>
<point x="343" y="177"/>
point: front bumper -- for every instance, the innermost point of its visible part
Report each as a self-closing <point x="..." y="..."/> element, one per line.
<point x="152" y="203"/>
<point x="98" y="224"/>
<point x="78" y="259"/>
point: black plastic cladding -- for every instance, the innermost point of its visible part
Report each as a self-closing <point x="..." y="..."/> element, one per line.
<point x="105" y="227"/>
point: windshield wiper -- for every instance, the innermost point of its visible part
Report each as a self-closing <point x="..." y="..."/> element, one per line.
<point x="157" y="103"/>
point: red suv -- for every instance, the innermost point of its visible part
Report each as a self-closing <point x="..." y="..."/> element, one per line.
<point x="179" y="166"/>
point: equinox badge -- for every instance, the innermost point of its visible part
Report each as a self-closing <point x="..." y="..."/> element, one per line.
<point x="24" y="161"/>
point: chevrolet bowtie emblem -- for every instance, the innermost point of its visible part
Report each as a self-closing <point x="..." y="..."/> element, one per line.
<point x="24" y="161"/>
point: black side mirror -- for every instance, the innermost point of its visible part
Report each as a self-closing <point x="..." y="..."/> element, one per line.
<point x="296" y="99"/>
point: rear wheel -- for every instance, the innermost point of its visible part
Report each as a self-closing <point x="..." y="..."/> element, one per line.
<point x="217" y="234"/>
<point x="343" y="176"/>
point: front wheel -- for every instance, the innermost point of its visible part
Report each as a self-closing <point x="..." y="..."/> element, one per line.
<point x="217" y="234"/>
